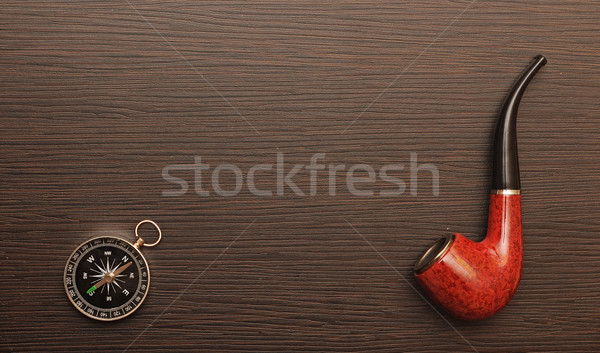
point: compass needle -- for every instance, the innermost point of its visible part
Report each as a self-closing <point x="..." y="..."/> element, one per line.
<point x="108" y="278"/>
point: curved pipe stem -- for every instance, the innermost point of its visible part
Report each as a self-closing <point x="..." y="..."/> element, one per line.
<point x="505" y="160"/>
<point x="475" y="280"/>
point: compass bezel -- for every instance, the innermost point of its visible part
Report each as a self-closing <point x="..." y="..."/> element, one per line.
<point x="130" y="248"/>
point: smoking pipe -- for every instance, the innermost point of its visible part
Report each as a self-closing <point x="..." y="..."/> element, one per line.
<point x="474" y="280"/>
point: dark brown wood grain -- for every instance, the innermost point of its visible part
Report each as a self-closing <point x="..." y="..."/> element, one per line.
<point x="97" y="97"/>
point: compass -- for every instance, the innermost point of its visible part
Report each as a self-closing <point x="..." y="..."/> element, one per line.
<point x="107" y="278"/>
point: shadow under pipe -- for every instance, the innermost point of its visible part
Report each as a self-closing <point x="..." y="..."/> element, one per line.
<point x="474" y="280"/>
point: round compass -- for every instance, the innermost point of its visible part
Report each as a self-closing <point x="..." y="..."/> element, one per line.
<point x="107" y="278"/>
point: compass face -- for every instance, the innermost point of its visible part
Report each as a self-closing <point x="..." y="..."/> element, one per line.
<point x="107" y="278"/>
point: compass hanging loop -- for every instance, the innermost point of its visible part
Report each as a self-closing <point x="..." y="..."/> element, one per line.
<point x="140" y="240"/>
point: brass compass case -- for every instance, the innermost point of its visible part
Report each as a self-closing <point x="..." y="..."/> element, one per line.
<point x="107" y="278"/>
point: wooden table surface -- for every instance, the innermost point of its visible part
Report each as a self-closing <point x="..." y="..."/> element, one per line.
<point x="98" y="97"/>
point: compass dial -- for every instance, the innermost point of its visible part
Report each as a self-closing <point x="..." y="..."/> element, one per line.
<point x="107" y="278"/>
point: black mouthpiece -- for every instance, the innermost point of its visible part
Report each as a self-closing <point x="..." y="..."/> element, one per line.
<point x="505" y="159"/>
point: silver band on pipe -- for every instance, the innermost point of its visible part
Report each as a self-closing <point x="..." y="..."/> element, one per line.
<point x="506" y="192"/>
